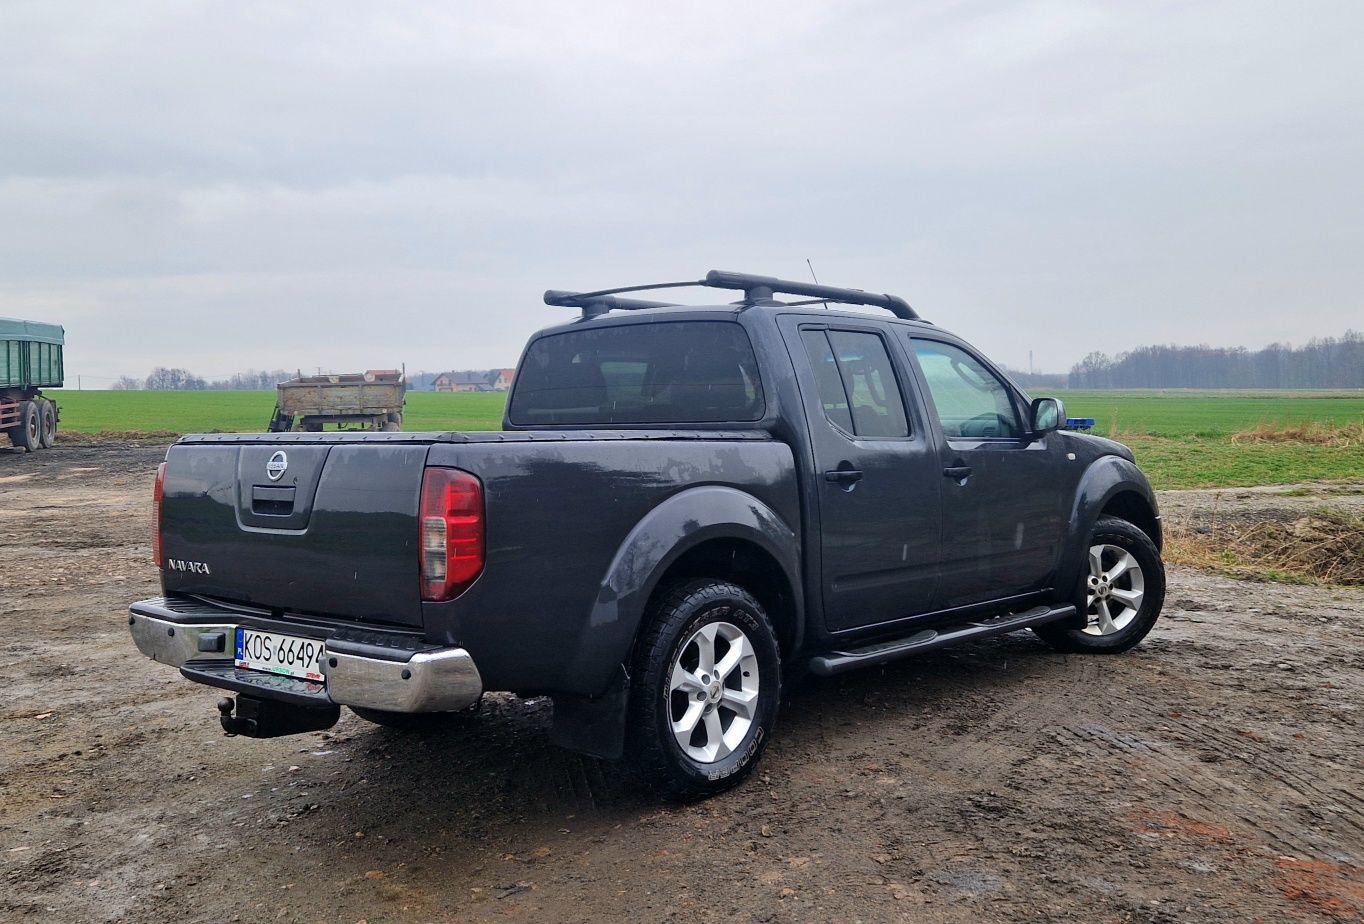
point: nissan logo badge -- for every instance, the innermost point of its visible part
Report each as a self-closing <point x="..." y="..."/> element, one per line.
<point x="277" y="466"/>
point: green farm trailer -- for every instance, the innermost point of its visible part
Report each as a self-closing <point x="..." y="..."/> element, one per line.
<point x="30" y="360"/>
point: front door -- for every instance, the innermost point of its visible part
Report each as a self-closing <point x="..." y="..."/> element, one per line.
<point x="1003" y="492"/>
<point x="876" y="475"/>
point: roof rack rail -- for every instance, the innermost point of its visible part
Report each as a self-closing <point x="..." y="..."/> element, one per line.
<point x="758" y="290"/>
<point x="598" y="303"/>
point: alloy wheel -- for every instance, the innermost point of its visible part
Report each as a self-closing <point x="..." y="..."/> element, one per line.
<point x="713" y="692"/>
<point x="1114" y="589"/>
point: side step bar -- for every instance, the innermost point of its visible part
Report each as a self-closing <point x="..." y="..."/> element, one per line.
<point x="928" y="639"/>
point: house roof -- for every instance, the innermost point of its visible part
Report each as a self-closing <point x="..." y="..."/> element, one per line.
<point x="465" y="378"/>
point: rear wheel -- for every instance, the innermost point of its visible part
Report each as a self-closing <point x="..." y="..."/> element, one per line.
<point x="27" y="435"/>
<point x="48" y="424"/>
<point x="708" y="677"/>
<point x="1124" y="589"/>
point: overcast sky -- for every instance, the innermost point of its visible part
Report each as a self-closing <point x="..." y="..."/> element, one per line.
<point x="341" y="184"/>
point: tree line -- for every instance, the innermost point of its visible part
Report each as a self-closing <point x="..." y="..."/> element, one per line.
<point x="1330" y="362"/>
<point x="164" y="379"/>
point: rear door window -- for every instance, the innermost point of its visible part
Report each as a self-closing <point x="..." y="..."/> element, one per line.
<point x="663" y="372"/>
<point x="856" y="382"/>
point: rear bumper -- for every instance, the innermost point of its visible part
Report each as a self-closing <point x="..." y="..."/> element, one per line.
<point x="367" y="668"/>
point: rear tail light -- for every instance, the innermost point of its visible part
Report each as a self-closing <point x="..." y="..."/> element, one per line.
<point x="451" y="552"/>
<point x="158" y="497"/>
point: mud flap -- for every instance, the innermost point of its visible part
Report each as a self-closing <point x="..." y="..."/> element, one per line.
<point x="1080" y="600"/>
<point x="593" y="725"/>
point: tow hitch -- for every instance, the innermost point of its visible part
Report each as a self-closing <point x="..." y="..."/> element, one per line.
<point x="268" y="718"/>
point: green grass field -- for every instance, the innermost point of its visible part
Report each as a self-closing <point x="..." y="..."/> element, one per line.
<point x="1181" y="413"/>
<point x="246" y="411"/>
<point x="1182" y="438"/>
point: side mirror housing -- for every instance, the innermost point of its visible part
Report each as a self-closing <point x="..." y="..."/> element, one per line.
<point x="1048" y="414"/>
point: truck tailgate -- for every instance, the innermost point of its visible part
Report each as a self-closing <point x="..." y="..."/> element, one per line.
<point x="333" y="533"/>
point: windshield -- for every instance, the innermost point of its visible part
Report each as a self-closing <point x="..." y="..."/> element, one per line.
<point x="663" y="372"/>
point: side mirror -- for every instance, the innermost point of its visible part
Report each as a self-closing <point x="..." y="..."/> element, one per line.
<point x="1048" y="414"/>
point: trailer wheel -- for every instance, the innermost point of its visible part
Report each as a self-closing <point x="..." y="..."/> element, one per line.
<point x="48" y="421"/>
<point x="28" y="434"/>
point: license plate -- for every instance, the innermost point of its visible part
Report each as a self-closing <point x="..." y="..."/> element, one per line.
<point x="279" y="654"/>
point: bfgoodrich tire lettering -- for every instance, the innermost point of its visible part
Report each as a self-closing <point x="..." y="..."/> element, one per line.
<point x="698" y="722"/>
<point x="1122" y="588"/>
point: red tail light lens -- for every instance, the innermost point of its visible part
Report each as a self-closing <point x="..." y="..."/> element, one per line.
<point x="158" y="496"/>
<point x="451" y="551"/>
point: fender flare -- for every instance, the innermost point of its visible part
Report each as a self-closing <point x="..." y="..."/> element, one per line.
<point x="665" y="534"/>
<point x="1104" y="480"/>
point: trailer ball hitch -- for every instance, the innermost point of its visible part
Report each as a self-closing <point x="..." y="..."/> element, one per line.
<point x="268" y="718"/>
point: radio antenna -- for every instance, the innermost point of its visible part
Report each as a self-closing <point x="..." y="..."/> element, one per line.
<point x="815" y="278"/>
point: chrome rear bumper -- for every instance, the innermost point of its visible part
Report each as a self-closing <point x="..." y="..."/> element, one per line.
<point x="398" y="678"/>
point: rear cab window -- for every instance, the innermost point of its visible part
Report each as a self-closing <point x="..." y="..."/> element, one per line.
<point x="662" y="372"/>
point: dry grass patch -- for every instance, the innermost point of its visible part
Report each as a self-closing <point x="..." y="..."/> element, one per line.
<point x="1322" y="547"/>
<point x="1312" y="432"/>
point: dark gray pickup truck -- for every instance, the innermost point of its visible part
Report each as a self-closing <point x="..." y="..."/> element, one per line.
<point x="686" y="507"/>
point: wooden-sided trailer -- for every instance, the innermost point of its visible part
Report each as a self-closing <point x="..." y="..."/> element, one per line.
<point x="371" y="400"/>
<point x="30" y="360"/>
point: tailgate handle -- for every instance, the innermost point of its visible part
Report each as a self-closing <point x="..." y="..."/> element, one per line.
<point x="272" y="502"/>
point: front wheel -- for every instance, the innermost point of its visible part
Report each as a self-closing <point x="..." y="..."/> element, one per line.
<point x="708" y="682"/>
<point x="1124" y="588"/>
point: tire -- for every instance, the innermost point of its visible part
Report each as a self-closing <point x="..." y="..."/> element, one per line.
<point x="415" y="721"/>
<point x="1122" y="607"/>
<point x="683" y="620"/>
<point x="28" y="434"/>
<point x="48" y="422"/>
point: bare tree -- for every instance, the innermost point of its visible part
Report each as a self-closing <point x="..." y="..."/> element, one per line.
<point x="163" y="379"/>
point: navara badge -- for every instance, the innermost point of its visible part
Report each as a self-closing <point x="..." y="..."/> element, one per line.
<point x="277" y="466"/>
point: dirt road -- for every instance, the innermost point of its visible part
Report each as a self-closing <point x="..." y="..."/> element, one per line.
<point x="1214" y="774"/>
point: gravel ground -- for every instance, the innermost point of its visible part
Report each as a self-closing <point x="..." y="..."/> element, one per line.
<point x="1216" y="773"/>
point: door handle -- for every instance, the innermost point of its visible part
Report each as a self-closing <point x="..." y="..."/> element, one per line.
<point x="844" y="476"/>
<point x="959" y="472"/>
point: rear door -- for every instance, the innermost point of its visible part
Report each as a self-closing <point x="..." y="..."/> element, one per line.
<point x="1002" y="492"/>
<point x="876" y="474"/>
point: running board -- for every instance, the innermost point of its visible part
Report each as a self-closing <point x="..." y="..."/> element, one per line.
<point x="928" y="639"/>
